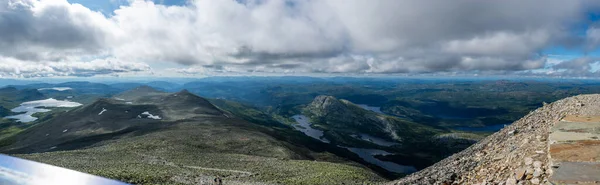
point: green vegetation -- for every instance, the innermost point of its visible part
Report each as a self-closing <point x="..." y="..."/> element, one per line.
<point x="193" y="143"/>
<point x="201" y="150"/>
<point x="249" y="138"/>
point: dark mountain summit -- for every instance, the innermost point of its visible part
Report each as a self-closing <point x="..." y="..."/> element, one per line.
<point x="179" y="105"/>
<point x="112" y="117"/>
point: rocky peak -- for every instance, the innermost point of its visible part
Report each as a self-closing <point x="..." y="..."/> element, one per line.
<point x="324" y="105"/>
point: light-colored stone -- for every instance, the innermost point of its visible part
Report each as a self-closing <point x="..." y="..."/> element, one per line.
<point x="520" y="173"/>
<point x="537" y="164"/>
<point x="538" y="172"/>
<point x="529" y="171"/>
<point x="535" y="181"/>
<point x="511" y="181"/>
<point x="528" y="161"/>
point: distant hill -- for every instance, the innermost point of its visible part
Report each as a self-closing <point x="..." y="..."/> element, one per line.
<point x="139" y="92"/>
<point x="159" y="85"/>
<point x="11" y="97"/>
<point x="168" y="86"/>
<point x="79" y="87"/>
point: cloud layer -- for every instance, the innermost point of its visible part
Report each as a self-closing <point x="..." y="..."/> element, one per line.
<point x="293" y="36"/>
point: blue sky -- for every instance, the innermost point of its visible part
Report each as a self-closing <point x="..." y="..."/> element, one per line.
<point x="181" y="38"/>
<point x="108" y="6"/>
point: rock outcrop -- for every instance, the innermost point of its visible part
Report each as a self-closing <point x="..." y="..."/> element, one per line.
<point x="517" y="154"/>
<point x="345" y="116"/>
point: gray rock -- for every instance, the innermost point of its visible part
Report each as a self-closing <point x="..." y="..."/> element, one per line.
<point x="537" y="164"/>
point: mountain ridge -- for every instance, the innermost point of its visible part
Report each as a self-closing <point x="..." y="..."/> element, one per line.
<point x="503" y="157"/>
<point x="180" y="138"/>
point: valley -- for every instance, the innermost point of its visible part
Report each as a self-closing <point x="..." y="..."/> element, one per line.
<point x="348" y="130"/>
<point x="299" y="92"/>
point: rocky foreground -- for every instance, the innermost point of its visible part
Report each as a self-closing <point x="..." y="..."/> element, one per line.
<point x="519" y="153"/>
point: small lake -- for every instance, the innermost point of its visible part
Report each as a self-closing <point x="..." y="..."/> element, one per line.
<point x="304" y="127"/>
<point x="371" y="108"/>
<point x="376" y="140"/>
<point x="490" y="128"/>
<point x="29" y="108"/>
<point x="366" y="154"/>
<point x="369" y="156"/>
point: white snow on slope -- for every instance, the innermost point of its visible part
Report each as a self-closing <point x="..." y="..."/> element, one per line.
<point x="103" y="110"/>
<point x="56" y="88"/>
<point x="150" y="115"/>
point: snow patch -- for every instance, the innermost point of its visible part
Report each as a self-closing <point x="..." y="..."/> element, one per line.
<point x="56" y="88"/>
<point x="150" y="115"/>
<point x="65" y="130"/>
<point x="103" y="110"/>
<point x="120" y="99"/>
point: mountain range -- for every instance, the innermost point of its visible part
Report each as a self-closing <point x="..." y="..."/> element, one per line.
<point x="163" y="133"/>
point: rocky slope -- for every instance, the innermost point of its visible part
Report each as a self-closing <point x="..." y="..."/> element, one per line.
<point x="517" y="154"/>
<point x="346" y="117"/>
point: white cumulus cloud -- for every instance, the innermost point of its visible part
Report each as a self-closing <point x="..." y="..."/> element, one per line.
<point x="286" y="36"/>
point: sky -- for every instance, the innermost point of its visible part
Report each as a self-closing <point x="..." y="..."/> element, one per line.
<point x="198" y="38"/>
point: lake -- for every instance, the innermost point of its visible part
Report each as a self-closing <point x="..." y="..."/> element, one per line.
<point x="489" y="128"/>
<point x="366" y="154"/>
<point x="31" y="107"/>
<point x="369" y="156"/>
<point x="304" y="127"/>
<point x="371" y="108"/>
<point x="373" y="139"/>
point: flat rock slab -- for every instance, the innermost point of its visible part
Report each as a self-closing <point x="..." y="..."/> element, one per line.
<point x="575" y="150"/>
<point x="585" y="119"/>
<point x="576" y="173"/>
<point x="575" y="130"/>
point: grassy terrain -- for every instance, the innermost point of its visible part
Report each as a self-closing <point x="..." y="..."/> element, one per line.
<point x="193" y="143"/>
<point x="195" y="152"/>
